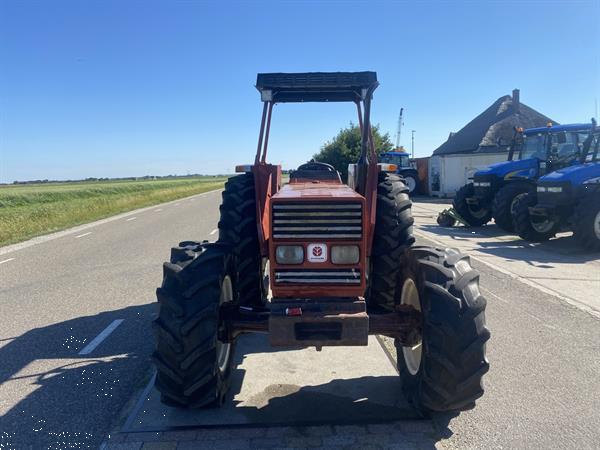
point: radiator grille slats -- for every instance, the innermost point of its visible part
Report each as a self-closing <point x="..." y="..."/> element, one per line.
<point x="297" y="220"/>
<point x="318" y="276"/>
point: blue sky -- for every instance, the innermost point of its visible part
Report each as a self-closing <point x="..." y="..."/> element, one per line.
<point x="121" y="88"/>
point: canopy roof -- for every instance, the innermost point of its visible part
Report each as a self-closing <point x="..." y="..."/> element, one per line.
<point x="315" y="86"/>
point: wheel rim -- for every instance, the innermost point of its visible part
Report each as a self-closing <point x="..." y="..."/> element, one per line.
<point x="266" y="278"/>
<point x="224" y="348"/>
<point x="597" y="225"/>
<point x="543" y="226"/>
<point x="410" y="183"/>
<point x="478" y="213"/>
<point x="412" y="355"/>
<point x="514" y="203"/>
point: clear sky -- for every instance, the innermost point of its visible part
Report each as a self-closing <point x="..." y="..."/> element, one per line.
<point x="122" y="88"/>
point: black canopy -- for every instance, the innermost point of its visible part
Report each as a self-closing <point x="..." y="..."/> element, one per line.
<point x="315" y="86"/>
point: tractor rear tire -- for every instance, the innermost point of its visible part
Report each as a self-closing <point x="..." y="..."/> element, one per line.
<point x="445" y="373"/>
<point x="523" y="224"/>
<point x="238" y="228"/>
<point x="392" y="235"/>
<point x="193" y="365"/>
<point x="476" y="217"/>
<point x="586" y="223"/>
<point x="504" y="202"/>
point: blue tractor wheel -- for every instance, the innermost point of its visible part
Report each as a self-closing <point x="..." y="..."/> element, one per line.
<point x="530" y="228"/>
<point x="586" y="223"/>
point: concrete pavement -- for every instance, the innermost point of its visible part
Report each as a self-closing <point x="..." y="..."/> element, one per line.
<point x="558" y="267"/>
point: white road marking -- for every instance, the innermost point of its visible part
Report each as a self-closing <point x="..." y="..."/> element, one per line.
<point x="214" y="231"/>
<point x="98" y="339"/>
<point x="6" y="260"/>
<point x="130" y="219"/>
<point x="158" y="210"/>
<point x="82" y="235"/>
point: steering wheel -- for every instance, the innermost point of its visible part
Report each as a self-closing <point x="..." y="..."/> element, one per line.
<point x="317" y="166"/>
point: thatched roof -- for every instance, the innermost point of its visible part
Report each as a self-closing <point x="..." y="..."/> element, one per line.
<point x="492" y="130"/>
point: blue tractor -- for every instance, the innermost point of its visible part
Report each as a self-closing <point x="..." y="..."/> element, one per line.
<point x="405" y="168"/>
<point x="533" y="153"/>
<point x="568" y="198"/>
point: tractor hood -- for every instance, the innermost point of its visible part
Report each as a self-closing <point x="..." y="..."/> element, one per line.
<point x="316" y="190"/>
<point x="525" y="168"/>
<point x="574" y="174"/>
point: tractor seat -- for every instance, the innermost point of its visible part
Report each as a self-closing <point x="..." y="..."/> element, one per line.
<point x="566" y="150"/>
<point x="316" y="171"/>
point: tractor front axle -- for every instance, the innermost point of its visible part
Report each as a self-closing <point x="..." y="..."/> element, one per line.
<point x="312" y="323"/>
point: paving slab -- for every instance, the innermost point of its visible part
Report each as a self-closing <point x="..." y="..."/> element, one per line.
<point x="558" y="267"/>
<point x="338" y="385"/>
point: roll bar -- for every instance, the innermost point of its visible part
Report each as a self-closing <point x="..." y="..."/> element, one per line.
<point x="356" y="87"/>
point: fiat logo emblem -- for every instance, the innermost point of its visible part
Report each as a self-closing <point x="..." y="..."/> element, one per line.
<point x="316" y="253"/>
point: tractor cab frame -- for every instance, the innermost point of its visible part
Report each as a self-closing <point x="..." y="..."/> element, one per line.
<point x="317" y="300"/>
<point x="355" y="87"/>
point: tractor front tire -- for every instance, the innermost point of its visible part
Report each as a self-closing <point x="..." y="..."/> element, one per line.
<point x="193" y="365"/>
<point x="504" y="202"/>
<point x="444" y="372"/>
<point x="523" y="224"/>
<point x="392" y="235"/>
<point x="586" y="223"/>
<point x="475" y="216"/>
<point x="238" y="228"/>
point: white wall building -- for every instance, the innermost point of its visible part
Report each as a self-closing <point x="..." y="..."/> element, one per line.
<point x="448" y="173"/>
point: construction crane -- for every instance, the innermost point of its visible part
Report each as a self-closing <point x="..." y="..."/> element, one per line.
<point x="399" y="133"/>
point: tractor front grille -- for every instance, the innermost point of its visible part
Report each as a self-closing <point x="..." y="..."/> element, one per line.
<point x="317" y="276"/>
<point x="332" y="220"/>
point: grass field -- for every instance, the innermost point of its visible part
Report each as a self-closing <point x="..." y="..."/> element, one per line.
<point x="35" y="209"/>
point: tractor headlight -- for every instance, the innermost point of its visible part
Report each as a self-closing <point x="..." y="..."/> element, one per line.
<point x="482" y="184"/>
<point x="345" y="254"/>
<point x="289" y="254"/>
<point x="592" y="181"/>
<point x="542" y="189"/>
<point x="555" y="189"/>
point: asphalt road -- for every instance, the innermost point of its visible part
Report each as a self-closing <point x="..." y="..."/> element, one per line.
<point x="58" y="296"/>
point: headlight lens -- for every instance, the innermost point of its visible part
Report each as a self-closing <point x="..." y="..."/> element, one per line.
<point x="555" y="189"/>
<point x="482" y="184"/>
<point x="542" y="189"/>
<point x="289" y="254"/>
<point x="345" y="254"/>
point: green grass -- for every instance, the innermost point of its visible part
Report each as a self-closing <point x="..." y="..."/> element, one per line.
<point x="31" y="210"/>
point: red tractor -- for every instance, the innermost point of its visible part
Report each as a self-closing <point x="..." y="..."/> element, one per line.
<point x="318" y="263"/>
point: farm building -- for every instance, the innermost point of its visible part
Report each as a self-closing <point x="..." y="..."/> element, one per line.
<point x="483" y="141"/>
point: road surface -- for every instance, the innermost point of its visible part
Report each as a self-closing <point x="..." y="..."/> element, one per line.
<point x="75" y="334"/>
<point x="56" y="297"/>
